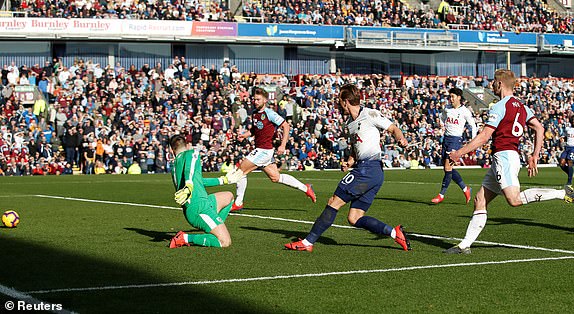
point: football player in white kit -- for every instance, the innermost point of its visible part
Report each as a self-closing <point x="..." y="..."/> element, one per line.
<point x="360" y="185"/>
<point x="454" y="118"/>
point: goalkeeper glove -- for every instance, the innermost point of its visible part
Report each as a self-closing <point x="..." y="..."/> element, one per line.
<point x="183" y="195"/>
<point x="233" y="177"/>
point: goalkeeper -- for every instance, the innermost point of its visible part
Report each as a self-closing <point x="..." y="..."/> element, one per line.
<point x="204" y="211"/>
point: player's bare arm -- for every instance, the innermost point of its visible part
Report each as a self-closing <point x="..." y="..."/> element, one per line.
<point x="244" y="135"/>
<point x="286" y="127"/>
<point x="538" y="140"/>
<point x="476" y="142"/>
<point x="398" y="135"/>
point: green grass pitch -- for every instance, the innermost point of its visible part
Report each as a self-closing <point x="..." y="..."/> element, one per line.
<point x="98" y="257"/>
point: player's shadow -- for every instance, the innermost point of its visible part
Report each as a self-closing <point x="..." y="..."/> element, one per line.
<point x="156" y="236"/>
<point x="386" y="198"/>
<point x="440" y="243"/>
<point x="252" y="209"/>
<point x="528" y="222"/>
<point x="293" y="235"/>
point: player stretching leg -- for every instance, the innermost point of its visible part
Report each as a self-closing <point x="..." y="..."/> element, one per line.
<point x="453" y="119"/>
<point x="360" y="186"/>
<point x="507" y="120"/>
<point x="567" y="156"/>
<point x="204" y="211"/>
<point x="265" y="121"/>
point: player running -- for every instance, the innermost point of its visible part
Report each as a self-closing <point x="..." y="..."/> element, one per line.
<point x="454" y="117"/>
<point x="204" y="211"/>
<point x="507" y="120"/>
<point x="360" y="186"/>
<point x="265" y="123"/>
<point x="567" y="156"/>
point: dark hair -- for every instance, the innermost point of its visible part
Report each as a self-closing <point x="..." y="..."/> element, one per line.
<point x="176" y="141"/>
<point x="457" y="91"/>
<point x="261" y="91"/>
<point x="351" y="93"/>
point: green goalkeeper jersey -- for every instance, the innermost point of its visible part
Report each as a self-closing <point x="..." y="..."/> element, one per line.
<point x="187" y="167"/>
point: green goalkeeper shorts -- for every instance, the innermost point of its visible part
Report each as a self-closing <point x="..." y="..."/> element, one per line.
<point x="202" y="214"/>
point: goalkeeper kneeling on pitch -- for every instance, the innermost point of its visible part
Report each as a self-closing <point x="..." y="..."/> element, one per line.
<point x="204" y="211"/>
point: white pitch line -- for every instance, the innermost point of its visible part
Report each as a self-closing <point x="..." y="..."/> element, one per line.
<point x="516" y="246"/>
<point x="28" y="299"/>
<point x="103" y="202"/>
<point x="336" y="273"/>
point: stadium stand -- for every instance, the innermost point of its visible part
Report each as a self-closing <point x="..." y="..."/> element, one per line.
<point x="496" y="15"/>
<point x="115" y="118"/>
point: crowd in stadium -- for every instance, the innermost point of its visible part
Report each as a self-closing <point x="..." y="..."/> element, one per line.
<point x="117" y="119"/>
<point x="498" y="15"/>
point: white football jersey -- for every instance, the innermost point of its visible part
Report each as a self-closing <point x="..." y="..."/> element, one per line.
<point x="454" y="120"/>
<point x="570" y="136"/>
<point x="365" y="133"/>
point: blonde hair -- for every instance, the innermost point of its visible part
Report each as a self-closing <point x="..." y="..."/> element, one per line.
<point x="506" y="77"/>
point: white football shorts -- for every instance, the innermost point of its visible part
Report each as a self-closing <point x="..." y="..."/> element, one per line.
<point x="504" y="171"/>
<point x="262" y="157"/>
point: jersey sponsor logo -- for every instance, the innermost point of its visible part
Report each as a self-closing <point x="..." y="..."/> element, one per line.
<point x="259" y="124"/>
<point x="452" y="120"/>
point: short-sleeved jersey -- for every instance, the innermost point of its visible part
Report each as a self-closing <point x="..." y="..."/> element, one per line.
<point x="365" y="133"/>
<point x="570" y="136"/>
<point x="454" y="120"/>
<point x="508" y="118"/>
<point x="187" y="167"/>
<point x="265" y="123"/>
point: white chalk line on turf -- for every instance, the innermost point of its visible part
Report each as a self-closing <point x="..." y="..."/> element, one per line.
<point x="28" y="299"/>
<point x="336" y="273"/>
<point x="103" y="202"/>
<point x="516" y="246"/>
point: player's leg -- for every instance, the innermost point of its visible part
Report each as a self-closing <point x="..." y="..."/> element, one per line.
<point x="322" y="223"/>
<point x="246" y="166"/>
<point x="479" y="218"/>
<point x="570" y="172"/>
<point x="457" y="178"/>
<point x="447" y="168"/>
<point x="273" y="173"/>
<point x="205" y="217"/>
<point x="224" y="202"/>
<point x="488" y="191"/>
<point x="358" y="218"/>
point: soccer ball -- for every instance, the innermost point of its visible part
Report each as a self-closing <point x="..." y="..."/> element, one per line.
<point x="10" y="218"/>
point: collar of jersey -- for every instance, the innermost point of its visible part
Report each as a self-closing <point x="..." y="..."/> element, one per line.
<point x="360" y="110"/>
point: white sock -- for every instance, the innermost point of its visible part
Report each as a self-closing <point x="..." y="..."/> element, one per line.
<point x="292" y="182"/>
<point x="465" y="188"/>
<point x="241" y="187"/>
<point x="186" y="238"/>
<point x="306" y="243"/>
<point x="393" y="233"/>
<point x="474" y="229"/>
<point x="538" y="195"/>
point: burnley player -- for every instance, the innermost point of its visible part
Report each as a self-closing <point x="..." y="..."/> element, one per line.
<point x="454" y="117"/>
<point x="265" y="123"/>
<point x="507" y="120"/>
<point x="360" y="186"/>
<point x="567" y="156"/>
